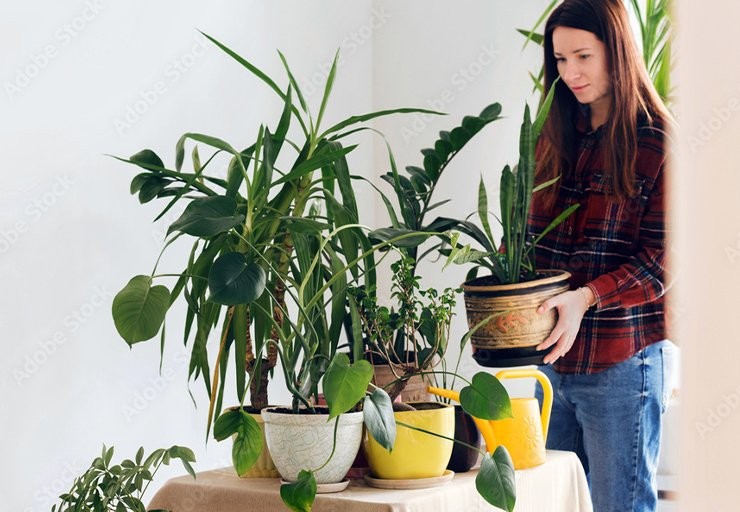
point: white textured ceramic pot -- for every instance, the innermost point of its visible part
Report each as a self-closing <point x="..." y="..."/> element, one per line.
<point x="304" y="441"/>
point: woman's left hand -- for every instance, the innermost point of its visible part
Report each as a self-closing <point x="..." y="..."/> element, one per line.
<point x="571" y="307"/>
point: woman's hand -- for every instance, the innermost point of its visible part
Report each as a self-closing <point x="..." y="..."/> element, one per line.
<point x="571" y="306"/>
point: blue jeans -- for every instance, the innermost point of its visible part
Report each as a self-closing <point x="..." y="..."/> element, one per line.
<point x="612" y="421"/>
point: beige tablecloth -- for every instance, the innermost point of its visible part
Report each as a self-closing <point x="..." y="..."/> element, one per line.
<point x="559" y="485"/>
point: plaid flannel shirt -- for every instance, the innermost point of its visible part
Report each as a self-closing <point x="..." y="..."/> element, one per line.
<point x="615" y="247"/>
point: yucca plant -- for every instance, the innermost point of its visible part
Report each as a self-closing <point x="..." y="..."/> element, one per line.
<point x="654" y="20"/>
<point x="246" y="227"/>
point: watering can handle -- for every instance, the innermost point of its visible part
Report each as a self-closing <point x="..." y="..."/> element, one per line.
<point x="546" y="391"/>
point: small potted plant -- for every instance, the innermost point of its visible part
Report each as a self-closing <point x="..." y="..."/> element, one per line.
<point x="503" y="304"/>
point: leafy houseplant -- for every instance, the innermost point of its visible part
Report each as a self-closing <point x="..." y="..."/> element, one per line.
<point x="414" y="335"/>
<point x="250" y="227"/>
<point x="119" y="487"/>
<point x="411" y="339"/>
<point x="502" y="306"/>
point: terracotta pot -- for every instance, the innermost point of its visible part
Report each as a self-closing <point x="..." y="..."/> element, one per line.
<point x="510" y="337"/>
<point x="304" y="441"/>
<point x="416" y="387"/>
<point x="464" y="458"/>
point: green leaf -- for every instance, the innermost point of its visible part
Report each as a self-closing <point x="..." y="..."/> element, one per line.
<point x="227" y="424"/>
<point x="443" y="149"/>
<point x="372" y="115"/>
<point x="532" y="36"/>
<point x="496" y="480"/>
<point x="247" y="444"/>
<point x="473" y="124"/>
<point x="402" y="237"/>
<point x="146" y="157"/>
<point x="235" y="280"/>
<point x="491" y="112"/>
<point x="543" y="112"/>
<point x="459" y="137"/>
<point x="182" y="453"/>
<point x="152" y="186"/>
<point x="486" y="398"/>
<point x="379" y="419"/>
<point x="208" y="216"/>
<point x="345" y="384"/>
<point x="139" y="309"/>
<point x="315" y="162"/>
<point x="299" y="495"/>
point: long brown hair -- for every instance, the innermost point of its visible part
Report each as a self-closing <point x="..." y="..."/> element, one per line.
<point x="633" y="96"/>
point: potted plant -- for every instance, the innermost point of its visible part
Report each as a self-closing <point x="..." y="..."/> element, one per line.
<point x="504" y="303"/>
<point x="119" y="487"/>
<point x="246" y="228"/>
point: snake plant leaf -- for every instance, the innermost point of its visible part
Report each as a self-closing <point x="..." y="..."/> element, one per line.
<point x="139" y="309"/>
<point x="299" y="496"/>
<point x="248" y="441"/>
<point x="208" y="216"/>
<point x="345" y="384"/>
<point x="486" y="398"/>
<point x="544" y="110"/>
<point x="235" y="280"/>
<point x="496" y="481"/>
<point x="379" y="419"/>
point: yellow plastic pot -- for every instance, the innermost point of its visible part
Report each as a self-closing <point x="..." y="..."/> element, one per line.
<point x="415" y="454"/>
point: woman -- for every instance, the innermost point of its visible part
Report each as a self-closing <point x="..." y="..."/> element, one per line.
<point x="604" y="137"/>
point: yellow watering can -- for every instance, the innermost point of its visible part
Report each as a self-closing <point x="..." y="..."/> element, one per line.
<point x="525" y="433"/>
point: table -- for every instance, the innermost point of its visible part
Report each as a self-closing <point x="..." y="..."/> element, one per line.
<point x="559" y="485"/>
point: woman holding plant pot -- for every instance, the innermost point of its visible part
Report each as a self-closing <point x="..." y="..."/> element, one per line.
<point x="605" y="138"/>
